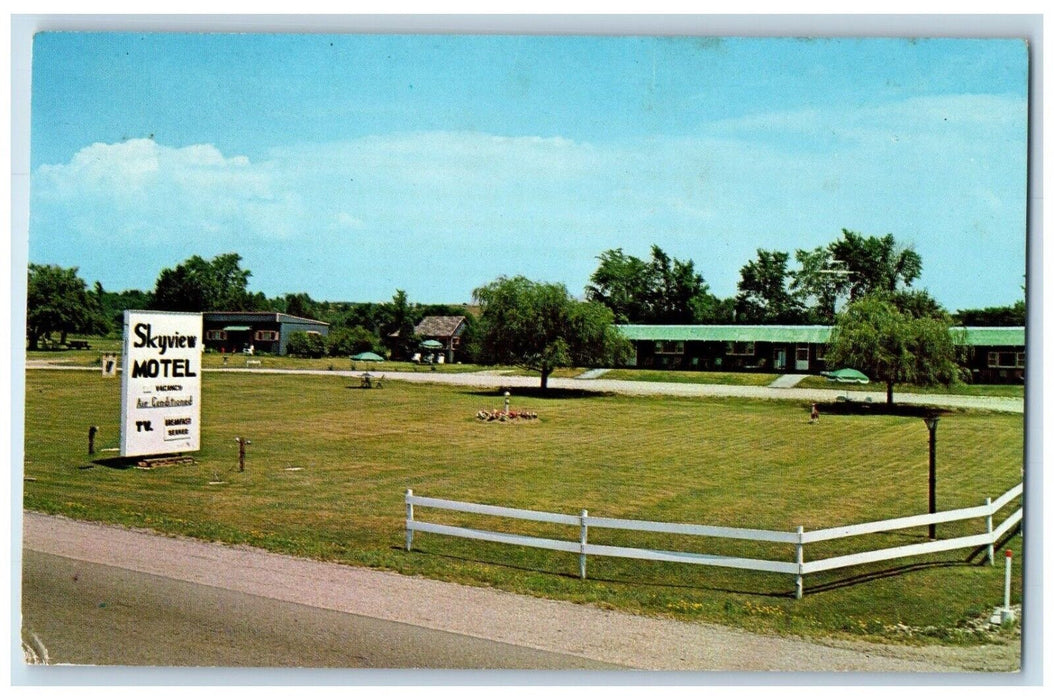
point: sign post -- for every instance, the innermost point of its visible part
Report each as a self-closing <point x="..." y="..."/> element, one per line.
<point x="161" y="383"/>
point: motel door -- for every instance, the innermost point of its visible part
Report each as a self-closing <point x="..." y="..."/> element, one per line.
<point x="801" y="358"/>
<point x="779" y="359"/>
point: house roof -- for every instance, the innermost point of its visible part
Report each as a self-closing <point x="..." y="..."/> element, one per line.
<point x="769" y="334"/>
<point x="258" y="316"/>
<point x="961" y="335"/>
<point x="439" y="326"/>
<point x="989" y="335"/>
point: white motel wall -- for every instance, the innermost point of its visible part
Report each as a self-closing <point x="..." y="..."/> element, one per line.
<point x="161" y="383"/>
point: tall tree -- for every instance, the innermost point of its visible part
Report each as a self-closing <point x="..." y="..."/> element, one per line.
<point x="895" y="339"/>
<point x="399" y="330"/>
<point x="539" y="326"/>
<point x="204" y="285"/>
<point x="302" y="305"/>
<point x="58" y="300"/>
<point x="621" y="282"/>
<point x="818" y="282"/>
<point x="764" y="294"/>
<point x="661" y="290"/>
<point x="875" y="264"/>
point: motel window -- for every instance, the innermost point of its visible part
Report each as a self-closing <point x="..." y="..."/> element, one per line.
<point x="215" y="335"/>
<point x="669" y="347"/>
<point x="266" y="335"/>
<point x="745" y="348"/>
<point x="821" y="352"/>
<point x="1006" y="359"/>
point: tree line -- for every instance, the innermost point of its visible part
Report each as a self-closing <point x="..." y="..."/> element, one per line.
<point x="860" y="284"/>
<point x="60" y="302"/>
<point x="772" y="289"/>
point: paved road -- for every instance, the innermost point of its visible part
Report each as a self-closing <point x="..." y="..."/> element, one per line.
<point x="237" y="593"/>
<point x="79" y="612"/>
<point x="640" y="388"/>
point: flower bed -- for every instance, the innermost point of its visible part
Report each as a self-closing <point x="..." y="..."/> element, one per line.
<point x="503" y="416"/>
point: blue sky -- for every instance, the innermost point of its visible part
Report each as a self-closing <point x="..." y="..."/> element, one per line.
<point x="349" y="166"/>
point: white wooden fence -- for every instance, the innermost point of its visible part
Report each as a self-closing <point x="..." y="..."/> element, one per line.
<point x="798" y="567"/>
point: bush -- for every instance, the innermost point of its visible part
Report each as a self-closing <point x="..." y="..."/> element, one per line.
<point x="351" y="341"/>
<point x="306" y="345"/>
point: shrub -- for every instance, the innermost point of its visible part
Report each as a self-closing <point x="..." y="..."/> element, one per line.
<point x="306" y="345"/>
<point x="351" y="341"/>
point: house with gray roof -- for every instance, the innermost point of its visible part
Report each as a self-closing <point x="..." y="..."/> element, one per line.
<point x="263" y="331"/>
<point x="446" y="330"/>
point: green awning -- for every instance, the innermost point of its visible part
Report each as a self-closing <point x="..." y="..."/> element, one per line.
<point x="237" y="328"/>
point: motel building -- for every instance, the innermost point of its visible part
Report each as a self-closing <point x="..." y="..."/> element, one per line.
<point x="991" y="355"/>
<point x="262" y="331"/>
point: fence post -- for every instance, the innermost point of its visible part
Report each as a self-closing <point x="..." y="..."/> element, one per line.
<point x="799" y="587"/>
<point x="409" y="520"/>
<point x="583" y="533"/>
<point x="1007" y="613"/>
<point x="991" y="542"/>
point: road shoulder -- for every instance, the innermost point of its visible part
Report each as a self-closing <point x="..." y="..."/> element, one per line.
<point x="556" y="626"/>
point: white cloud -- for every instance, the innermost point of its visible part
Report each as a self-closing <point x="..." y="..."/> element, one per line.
<point x="140" y="188"/>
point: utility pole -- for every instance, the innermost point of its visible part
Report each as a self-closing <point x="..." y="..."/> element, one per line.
<point x="931" y="423"/>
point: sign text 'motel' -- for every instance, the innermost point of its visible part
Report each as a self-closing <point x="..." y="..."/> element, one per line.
<point x="160" y="416"/>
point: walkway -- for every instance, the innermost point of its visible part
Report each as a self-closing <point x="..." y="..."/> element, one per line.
<point x="787" y="381"/>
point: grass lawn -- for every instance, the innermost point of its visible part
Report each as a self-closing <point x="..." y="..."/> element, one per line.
<point x="682" y="377"/>
<point x="999" y="390"/>
<point x="329" y="464"/>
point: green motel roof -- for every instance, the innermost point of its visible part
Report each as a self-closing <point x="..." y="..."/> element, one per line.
<point x="1013" y="336"/>
<point x="738" y="334"/>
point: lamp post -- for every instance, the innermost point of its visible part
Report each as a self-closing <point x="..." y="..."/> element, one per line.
<point x="931" y="423"/>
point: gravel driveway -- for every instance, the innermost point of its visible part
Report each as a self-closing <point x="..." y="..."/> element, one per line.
<point x="492" y="379"/>
<point x="642" y="388"/>
<point x="554" y="626"/>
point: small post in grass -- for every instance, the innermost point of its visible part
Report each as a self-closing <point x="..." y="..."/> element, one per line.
<point x="1005" y="614"/>
<point x="91" y="438"/>
<point x="409" y="520"/>
<point x="583" y="533"/>
<point x="242" y="442"/>
<point x="1008" y="614"/>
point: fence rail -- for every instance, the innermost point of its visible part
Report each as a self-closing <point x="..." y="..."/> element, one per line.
<point x="797" y="567"/>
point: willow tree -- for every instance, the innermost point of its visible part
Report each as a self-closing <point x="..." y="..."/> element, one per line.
<point x="540" y="327"/>
<point x="895" y="339"/>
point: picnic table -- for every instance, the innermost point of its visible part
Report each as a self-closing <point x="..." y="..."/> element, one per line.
<point x="368" y="381"/>
<point x="79" y="345"/>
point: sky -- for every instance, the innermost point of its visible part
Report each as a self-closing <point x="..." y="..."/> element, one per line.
<point x="350" y="166"/>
